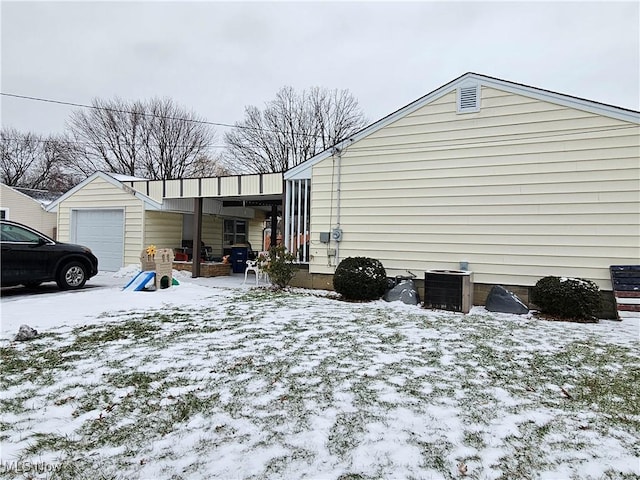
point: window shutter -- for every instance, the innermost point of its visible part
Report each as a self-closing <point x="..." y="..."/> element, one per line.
<point x="469" y="99"/>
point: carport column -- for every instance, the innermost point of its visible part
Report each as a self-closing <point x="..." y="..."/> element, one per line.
<point x="197" y="237"/>
<point x="274" y="225"/>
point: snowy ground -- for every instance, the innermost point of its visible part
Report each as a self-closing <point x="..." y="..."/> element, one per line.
<point x="213" y="379"/>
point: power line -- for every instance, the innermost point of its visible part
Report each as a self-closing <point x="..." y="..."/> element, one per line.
<point x="89" y="144"/>
<point x="107" y="109"/>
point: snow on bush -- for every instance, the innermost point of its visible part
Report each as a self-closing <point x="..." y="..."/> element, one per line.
<point x="570" y="298"/>
<point x="360" y="278"/>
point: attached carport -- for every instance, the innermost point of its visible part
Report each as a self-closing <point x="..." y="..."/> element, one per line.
<point x="113" y="214"/>
<point x="262" y="191"/>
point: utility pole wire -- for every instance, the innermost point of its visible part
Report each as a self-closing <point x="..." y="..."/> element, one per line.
<point x="205" y="122"/>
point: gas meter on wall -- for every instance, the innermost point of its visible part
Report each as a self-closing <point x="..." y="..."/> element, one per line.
<point x="336" y="234"/>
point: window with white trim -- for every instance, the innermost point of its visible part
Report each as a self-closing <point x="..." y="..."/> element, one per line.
<point x="468" y="98"/>
<point x="4" y="214"/>
<point x="235" y="232"/>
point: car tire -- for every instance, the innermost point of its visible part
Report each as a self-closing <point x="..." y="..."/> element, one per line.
<point x="72" y="275"/>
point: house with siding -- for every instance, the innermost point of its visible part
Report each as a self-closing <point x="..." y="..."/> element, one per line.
<point x="118" y="216"/>
<point x="28" y="206"/>
<point x="508" y="181"/>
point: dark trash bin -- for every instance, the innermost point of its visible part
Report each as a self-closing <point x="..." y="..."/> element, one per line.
<point x="239" y="254"/>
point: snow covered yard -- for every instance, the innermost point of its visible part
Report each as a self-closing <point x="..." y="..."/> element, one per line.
<point x="206" y="382"/>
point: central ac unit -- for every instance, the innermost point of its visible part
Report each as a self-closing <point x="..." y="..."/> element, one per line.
<point x="448" y="290"/>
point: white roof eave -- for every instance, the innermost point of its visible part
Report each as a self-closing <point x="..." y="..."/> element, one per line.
<point x="150" y="204"/>
<point x="303" y="170"/>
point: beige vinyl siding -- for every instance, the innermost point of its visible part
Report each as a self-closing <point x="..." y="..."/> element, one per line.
<point x="212" y="233"/>
<point x="256" y="229"/>
<point x="163" y="229"/>
<point x="100" y="194"/>
<point x="24" y="209"/>
<point x="520" y="190"/>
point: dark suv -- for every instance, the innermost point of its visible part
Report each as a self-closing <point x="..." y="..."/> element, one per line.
<point x="30" y="258"/>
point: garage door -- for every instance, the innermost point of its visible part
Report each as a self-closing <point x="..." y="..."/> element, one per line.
<point x="103" y="232"/>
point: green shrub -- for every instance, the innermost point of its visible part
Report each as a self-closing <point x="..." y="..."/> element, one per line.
<point x="360" y="278"/>
<point x="570" y="298"/>
<point x="278" y="264"/>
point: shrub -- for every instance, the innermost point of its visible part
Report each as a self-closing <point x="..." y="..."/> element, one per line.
<point x="360" y="278"/>
<point x="278" y="264"/>
<point x="571" y="298"/>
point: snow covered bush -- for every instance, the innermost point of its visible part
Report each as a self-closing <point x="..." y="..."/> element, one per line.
<point x="571" y="298"/>
<point x="360" y="278"/>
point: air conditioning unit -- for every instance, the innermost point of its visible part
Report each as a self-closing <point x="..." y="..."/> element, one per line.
<point x="448" y="290"/>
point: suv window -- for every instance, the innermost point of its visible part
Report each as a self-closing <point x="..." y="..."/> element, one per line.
<point x="13" y="233"/>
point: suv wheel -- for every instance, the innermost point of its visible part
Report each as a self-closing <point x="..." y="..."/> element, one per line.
<point x="73" y="275"/>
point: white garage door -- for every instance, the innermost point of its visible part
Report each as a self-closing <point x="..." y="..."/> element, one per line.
<point x="103" y="232"/>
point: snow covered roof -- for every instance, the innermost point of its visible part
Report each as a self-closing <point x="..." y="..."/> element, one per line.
<point x="127" y="178"/>
<point x="45" y="197"/>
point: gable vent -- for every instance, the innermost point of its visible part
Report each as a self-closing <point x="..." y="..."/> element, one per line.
<point x="469" y="99"/>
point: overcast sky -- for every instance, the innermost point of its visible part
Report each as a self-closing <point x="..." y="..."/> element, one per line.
<point x="215" y="58"/>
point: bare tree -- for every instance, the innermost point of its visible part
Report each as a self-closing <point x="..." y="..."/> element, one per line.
<point x="292" y="128"/>
<point x="31" y="161"/>
<point x="155" y="139"/>
<point x="107" y="137"/>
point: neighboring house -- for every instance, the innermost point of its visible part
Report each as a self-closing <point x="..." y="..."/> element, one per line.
<point x="516" y="182"/>
<point x="27" y="206"/>
<point x="119" y="216"/>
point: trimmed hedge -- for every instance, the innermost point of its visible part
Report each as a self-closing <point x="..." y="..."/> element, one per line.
<point x="360" y="278"/>
<point x="570" y="298"/>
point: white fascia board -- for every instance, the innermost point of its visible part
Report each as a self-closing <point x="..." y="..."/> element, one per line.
<point x="296" y="172"/>
<point x="53" y="206"/>
<point x="560" y="99"/>
<point x="303" y="171"/>
<point x="150" y="204"/>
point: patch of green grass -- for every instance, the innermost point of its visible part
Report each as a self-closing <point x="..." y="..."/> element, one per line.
<point x="50" y="442"/>
<point x="34" y="363"/>
<point x="526" y="453"/>
<point x="474" y="439"/>
<point x="240" y="361"/>
<point x="345" y="433"/>
<point x="435" y="454"/>
<point x="111" y="332"/>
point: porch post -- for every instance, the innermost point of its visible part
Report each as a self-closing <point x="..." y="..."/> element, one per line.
<point x="287" y="213"/>
<point x="197" y="237"/>
<point x="274" y="225"/>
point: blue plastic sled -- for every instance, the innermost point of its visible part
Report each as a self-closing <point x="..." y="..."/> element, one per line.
<point x="140" y="281"/>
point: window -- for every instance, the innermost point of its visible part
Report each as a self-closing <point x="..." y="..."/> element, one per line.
<point x="469" y="98"/>
<point x="15" y="234"/>
<point x="4" y="214"/>
<point x="235" y="231"/>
